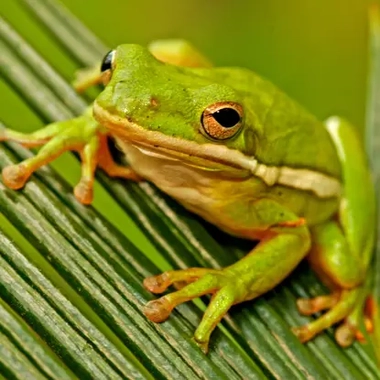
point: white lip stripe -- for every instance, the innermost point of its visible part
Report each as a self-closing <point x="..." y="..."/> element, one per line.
<point x="303" y="179"/>
<point x="320" y="184"/>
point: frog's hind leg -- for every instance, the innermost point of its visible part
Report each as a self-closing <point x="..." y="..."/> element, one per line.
<point x="345" y="306"/>
<point x="344" y="274"/>
<point x="348" y="310"/>
<point x="342" y="249"/>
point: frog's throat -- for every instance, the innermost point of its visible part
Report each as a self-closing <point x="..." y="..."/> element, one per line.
<point x="320" y="184"/>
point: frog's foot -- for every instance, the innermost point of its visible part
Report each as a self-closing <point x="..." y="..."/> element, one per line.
<point x="82" y="135"/>
<point x="346" y="306"/>
<point x="200" y="281"/>
<point x="87" y="77"/>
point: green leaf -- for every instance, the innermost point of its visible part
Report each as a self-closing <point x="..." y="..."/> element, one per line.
<point x="73" y="290"/>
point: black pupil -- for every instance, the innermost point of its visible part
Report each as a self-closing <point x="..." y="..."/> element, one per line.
<point x="227" y="117"/>
<point x="107" y="62"/>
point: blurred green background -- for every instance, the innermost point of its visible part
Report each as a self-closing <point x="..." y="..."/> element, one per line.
<point x="315" y="50"/>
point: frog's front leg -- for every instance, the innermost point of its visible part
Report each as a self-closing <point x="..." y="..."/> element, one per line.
<point x="82" y="134"/>
<point x="285" y="241"/>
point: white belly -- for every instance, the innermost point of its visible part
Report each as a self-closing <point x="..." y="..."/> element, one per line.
<point x="188" y="185"/>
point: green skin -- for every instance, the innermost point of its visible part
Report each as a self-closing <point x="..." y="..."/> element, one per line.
<point x="154" y="110"/>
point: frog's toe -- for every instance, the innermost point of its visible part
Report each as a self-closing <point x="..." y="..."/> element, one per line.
<point x="178" y="278"/>
<point x="202" y="345"/>
<point x="84" y="192"/>
<point x="349" y="330"/>
<point x="158" y="284"/>
<point x="302" y="333"/>
<point x="15" y="176"/>
<point x="158" y="310"/>
<point x="346" y="334"/>
<point x="220" y="303"/>
<point x="305" y="306"/>
<point x="309" y="306"/>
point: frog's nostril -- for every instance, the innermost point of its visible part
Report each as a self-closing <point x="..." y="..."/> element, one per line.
<point x="154" y="103"/>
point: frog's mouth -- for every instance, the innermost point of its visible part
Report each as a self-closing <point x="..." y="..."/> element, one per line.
<point x="210" y="157"/>
<point x="200" y="163"/>
<point x="214" y="157"/>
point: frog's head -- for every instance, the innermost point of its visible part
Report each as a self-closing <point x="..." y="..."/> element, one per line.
<point x="181" y="109"/>
<point x="227" y="119"/>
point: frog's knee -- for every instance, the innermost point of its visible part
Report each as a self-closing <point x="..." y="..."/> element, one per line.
<point x="332" y="258"/>
<point x="338" y="269"/>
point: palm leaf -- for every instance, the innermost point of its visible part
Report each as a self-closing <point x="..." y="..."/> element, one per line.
<point x="373" y="145"/>
<point x="71" y="293"/>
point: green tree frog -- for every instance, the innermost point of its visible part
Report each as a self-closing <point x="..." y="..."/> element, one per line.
<point x="234" y="149"/>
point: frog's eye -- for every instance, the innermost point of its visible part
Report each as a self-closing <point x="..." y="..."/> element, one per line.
<point x="222" y="120"/>
<point x="107" y="63"/>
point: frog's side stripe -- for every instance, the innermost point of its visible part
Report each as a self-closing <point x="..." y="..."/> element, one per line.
<point x="303" y="179"/>
<point x="322" y="185"/>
